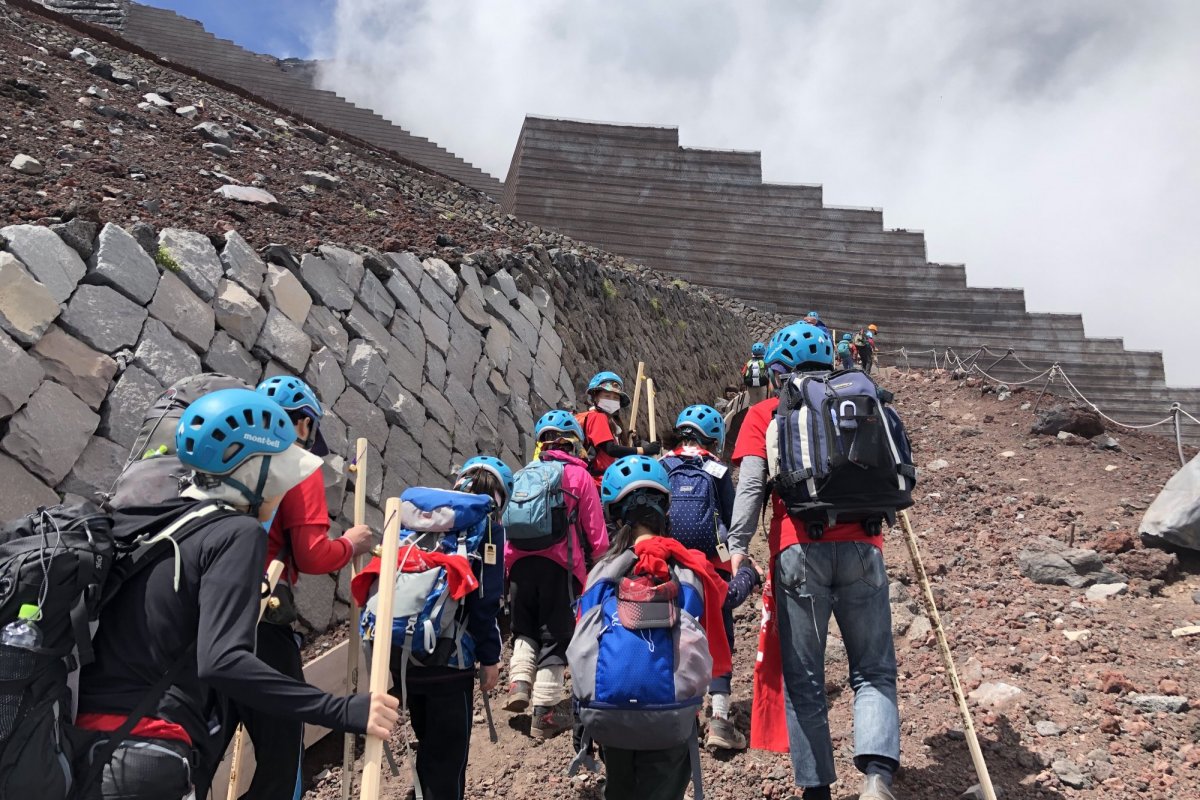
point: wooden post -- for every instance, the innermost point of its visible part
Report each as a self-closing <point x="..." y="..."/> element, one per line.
<point x="359" y="468"/>
<point x="381" y="647"/>
<point x="274" y="571"/>
<point x="650" y="409"/>
<point x="981" y="770"/>
<point x="633" y="410"/>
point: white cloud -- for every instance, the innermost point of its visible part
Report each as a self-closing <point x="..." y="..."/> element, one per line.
<point x="1046" y="145"/>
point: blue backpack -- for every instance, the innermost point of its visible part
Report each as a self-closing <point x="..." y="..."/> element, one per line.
<point x="639" y="659"/>
<point x="843" y="348"/>
<point x="536" y="515"/>
<point x="428" y="624"/>
<point x="695" y="517"/>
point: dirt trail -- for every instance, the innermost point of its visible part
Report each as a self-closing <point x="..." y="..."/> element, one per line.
<point x="1001" y="489"/>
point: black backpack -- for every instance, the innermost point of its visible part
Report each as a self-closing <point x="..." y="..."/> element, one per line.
<point x="70" y="560"/>
<point x="841" y="452"/>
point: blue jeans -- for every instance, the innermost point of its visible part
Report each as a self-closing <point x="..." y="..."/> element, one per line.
<point x="848" y="579"/>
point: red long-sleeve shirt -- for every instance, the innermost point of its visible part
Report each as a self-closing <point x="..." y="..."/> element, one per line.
<point x="303" y="519"/>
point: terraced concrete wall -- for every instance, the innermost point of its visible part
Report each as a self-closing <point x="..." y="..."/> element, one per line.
<point x="708" y="216"/>
<point x="431" y="362"/>
<point x="185" y="41"/>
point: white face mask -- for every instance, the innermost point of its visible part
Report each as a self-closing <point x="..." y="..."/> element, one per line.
<point x="609" y="406"/>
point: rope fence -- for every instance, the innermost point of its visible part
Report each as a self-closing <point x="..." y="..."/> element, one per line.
<point x="948" y="360"/>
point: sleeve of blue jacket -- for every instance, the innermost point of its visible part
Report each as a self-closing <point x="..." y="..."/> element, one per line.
<point x="740" y="586"/>
<point x="483" y="609"/>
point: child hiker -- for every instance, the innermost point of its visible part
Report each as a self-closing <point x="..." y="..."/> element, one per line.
<point x="701" y="512"/>
<point x="649" y="641"/>
<point x="555" y="530"/>
<point x="846" y="351"/>
<point x="438" y="688"/>
<point x="601" y="425"/>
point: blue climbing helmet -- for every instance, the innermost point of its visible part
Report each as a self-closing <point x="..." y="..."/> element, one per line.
<point x="487" y="464"/>
<point x="608" y="382"/>
<point x="812" y="315"/>
<point x="705" y="421"/>
<point x="758" y="350"/>
<point x="635" y="481"/>
<point x="797" y="345"/>
<point x="222" y="430"/>
<point x="293" y="394"/>
<point x="847" y="337"/>
<point x="560" y="421"/>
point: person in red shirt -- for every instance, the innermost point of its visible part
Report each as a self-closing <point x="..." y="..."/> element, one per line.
<point x="601" y="425"/>
<point x="841" y="573"/>
<point x="299" y="536"/>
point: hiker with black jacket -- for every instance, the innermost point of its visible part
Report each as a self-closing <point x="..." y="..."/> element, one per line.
<point x="188" y="621"/>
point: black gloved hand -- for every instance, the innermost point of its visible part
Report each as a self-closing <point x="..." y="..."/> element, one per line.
<point x="650" y="448"/>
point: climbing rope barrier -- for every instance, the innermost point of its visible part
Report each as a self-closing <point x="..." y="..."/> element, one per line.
<point x="951" y="360"/>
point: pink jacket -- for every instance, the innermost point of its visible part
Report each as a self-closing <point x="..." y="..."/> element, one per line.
<point x="589" y="525"/>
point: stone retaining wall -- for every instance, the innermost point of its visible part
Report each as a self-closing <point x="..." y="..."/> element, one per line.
<point x="431" y="362"/>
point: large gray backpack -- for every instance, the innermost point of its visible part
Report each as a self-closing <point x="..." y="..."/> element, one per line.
<point x="153" y="473"/>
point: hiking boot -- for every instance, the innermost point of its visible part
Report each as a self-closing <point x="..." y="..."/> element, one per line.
<point x="874" y="788"/>
<point x="518" y="696"/>
<point x="724" y="735"/>
<point x="550" y="721"/>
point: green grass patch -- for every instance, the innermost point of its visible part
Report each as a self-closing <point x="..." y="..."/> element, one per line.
<point x="165" y="261"/>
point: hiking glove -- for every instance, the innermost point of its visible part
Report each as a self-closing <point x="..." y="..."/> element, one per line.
<point x="650" y="448"/>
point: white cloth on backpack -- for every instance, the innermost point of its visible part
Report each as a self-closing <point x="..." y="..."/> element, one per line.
<point x="287" y="470"/>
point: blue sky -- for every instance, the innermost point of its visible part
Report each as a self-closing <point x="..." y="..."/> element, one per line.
<point x="283" y="28"/>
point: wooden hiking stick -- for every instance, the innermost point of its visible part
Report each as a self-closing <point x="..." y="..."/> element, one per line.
<point x="274" y="571"/>
<point x="381" y="647"/>
<point x="650" y="409"/>
<point x="633" y="410"/>
<point x="981" y="770"/>
<point x="354" y="651"/>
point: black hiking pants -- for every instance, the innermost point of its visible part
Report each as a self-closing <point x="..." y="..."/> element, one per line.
<point x="441" y="712"/>
<point x="540" y="605"/>
<point x="647" y="774"/>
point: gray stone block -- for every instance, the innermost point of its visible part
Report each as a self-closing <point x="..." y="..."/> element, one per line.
<point x="487" y="438"/>
<point x="177" y="307"/>
<point x="103" y="318"/>
<point x="510" y="438"/>
<point x="529" y="311"/>
<point x="326" y="329"/>
<point x="400" y="477"/>
<point x="376" y="299"/>
<point x="50" y="432"/>
<point x="402" y="449"/>
<point x="314" y="596"/>
<point x="123" y="409"/>
<point x="362" y="323"/>
<point x="567" y="388"/>
<point x="162" y="355"/>
<point x="26" y="306"/>
<point x="324" y="283"/>
<point x="544" y="302"/>
<point x="282" y="290"/>
<point x="80" y="236"/>
<point x="365" y="369"/>
<point x="406" y="297"/>
<point x="335" y="433"/>
<point x="96" y="469"/>
<point x="238" y="313"/>
<point x="504" y="284"/>
<point x="228" y="356"/>
<point x="498" y="345"/>
<point x="333" y="473"/>
<point x="200" y="267"/>
<point x="521" y="328"/>
<point x="437" y="407"/>
<point x="434" y="297"/>
<point x="436" y="477"/>
<point x="242" y="264"/>
<point x="348" y="265"/>
<point x="405" y="368"/>
<point x="437" y="332"/>
<point x="550" y="337"/>
<point x="283" y="341"/>
<point x="409" y="266"/>
<point x="408" y="332"/>
<point x="436" y="450"/>
<point x="324" y="375"/>
<point x="435" y="368"/>
<point x="466" y="350"/>
<point x="485" y="398"/>
<point x="214" y="133"/>
<point x="441" y="272"/>
<point x="470" y="305"/>
<point x="20" y="491"/>
<point x="498" y="385"/>
<point x="120" y="262"/>
<point x="374" y="476"/>
<point x="22" y="374"/>
<point x="72" y="363"/>
<point x="362" y="418"/>
<point x="520" y="362"/>
<point x="459" y="396"/>
<point x="49" y="259"/>
<point x="401" y="408"/>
